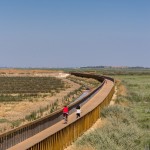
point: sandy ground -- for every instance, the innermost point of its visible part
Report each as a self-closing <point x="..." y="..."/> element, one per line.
<point x="18" y="110"/>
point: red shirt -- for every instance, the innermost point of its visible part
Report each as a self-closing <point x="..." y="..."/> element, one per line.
<point x="65" y="110"/>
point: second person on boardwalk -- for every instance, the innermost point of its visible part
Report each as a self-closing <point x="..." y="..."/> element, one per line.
<point x="78" y="111"/>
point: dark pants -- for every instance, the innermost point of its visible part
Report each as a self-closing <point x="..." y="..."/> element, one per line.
<point x="65" y="115"/>
<point x="78" y="115"/>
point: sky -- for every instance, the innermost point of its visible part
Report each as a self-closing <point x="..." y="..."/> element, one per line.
<point x="74" y="33"/>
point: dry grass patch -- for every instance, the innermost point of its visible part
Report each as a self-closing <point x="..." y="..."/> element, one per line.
<point x="13" y="114"/>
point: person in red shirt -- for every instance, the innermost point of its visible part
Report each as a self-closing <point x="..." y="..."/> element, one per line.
<point x="65" y="113"/>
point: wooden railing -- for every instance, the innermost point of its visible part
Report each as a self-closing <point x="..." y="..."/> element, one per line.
<point x="65" y="136"/>
<point x="19" y="134"/>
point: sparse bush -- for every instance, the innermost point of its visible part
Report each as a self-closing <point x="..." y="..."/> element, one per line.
<point x="15" y="123"/>
<point x="3" y="120"/>
<point x="31" y="117"/>
<point x="121" y="99"/>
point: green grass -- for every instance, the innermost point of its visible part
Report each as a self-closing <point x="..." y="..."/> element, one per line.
<point x="120" y="132"/>
<point x="22" y="88"/>
<point x="138" y="87"/>
<point x="126" y="128"/>
<point x="3" y="120"/>
<point x="27" y="85"/>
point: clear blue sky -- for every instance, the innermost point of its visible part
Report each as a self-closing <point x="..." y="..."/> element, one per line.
<point x="74" y="33"/>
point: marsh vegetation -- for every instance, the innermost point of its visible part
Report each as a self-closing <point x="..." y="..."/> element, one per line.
<point x="126" y="123"/>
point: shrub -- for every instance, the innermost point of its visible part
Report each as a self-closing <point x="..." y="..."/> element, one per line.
<point x="119" y="133"/>
<point x="15" y="123"/>
<point x="31" y="117"/>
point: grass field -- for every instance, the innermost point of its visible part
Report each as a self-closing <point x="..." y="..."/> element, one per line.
<point x="127" y="122"/>
<point x="138" y="95"/>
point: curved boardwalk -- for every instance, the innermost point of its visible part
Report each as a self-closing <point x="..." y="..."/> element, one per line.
<point x="96" y="100"/>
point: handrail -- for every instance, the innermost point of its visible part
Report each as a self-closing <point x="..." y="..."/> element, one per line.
<point x="59" y="136"/>
<point x="55" y="138"/>
<point x="19" y="134"/>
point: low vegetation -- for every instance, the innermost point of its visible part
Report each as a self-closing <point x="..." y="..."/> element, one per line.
<point x="127" y="122"/>
<point x="86" y="83"/>
<point x="21" y="88"/>
<point x="22" y="91"/>
<point x="120" y="131"/>
<point x="138" y="97"/>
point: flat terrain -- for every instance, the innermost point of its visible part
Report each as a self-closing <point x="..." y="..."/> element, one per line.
<point x="11" y="113"/>
<point x="90" y="105"/>
<point x="33" y="103"/>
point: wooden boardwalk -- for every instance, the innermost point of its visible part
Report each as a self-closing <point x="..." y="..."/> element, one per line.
<point x="89" y="106"/>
